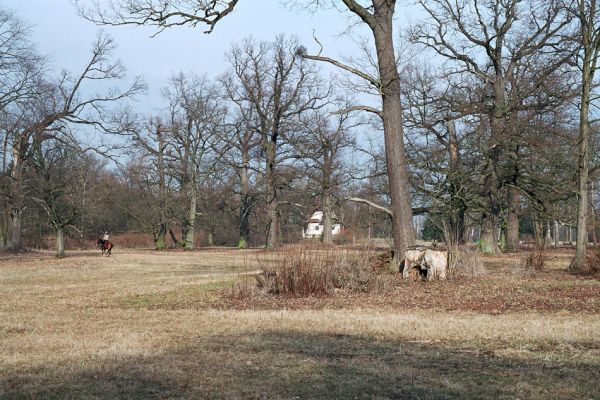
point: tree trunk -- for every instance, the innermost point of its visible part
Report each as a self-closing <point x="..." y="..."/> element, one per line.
<point x="456" y="231"/>
<point x="327" y="237"/>
<point x="272" y="201"/>
<point x="210" y="238"/>
<point x="488" y="241"/>
<point x="512" y="223"/>
<point x="191" y="217"/>
<point x="397" y="166"/>
<point x="16" y="208"/>
<point x="578" y="264"/>
<point x="60" y="243"/>
<point x="160" y="237"/>
<point x="173" y="237"/>
<point x="538" y="231"/>
<point x="556" y="234"/>
<point x="245" y="209"/>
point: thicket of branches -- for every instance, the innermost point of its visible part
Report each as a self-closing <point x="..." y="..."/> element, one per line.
<point x="496" y="137"/>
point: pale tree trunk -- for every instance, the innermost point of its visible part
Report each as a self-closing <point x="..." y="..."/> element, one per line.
<point x="191" y="217"/>
<point x="210" y="238"/>
<point x="397" y="166"/>
<point x="60" y="242"/>
<point x="556" y="234"/>
<point x="327" y="237"/>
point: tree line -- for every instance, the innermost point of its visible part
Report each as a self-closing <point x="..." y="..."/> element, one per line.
<point x="487" y="114"/>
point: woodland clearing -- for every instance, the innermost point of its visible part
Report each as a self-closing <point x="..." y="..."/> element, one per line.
<point x="146" y="324"/>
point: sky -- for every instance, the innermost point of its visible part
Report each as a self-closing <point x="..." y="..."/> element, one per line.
<point x="66" y="38"/>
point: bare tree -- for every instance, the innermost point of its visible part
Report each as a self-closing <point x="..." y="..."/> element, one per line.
<point x="20" y="66"/>
<point x="321" y="149"/>
<point x="278" y="87"/>
<point x="197" y="116"/>
<point x="151" y="139"/>
<point x="59" y="103"/>
<point x="496" y="42"/>
<point x="238" y="147"/>
<point x="55" y="188"/>
<point x="20" y="71"/>
<point x="438" y="124"/>
<point x="588" y="15"/>
<point x="378" y="16"/>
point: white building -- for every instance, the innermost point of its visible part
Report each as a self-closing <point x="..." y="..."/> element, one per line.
<point x="314" y="228"/>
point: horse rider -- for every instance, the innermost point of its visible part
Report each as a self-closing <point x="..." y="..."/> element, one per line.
<point x="105" y="237"/>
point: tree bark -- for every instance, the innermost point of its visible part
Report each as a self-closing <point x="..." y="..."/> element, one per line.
<point x="512" y="223"/>
<point x="397" y="166"/>
<point x="191" y="217"/>
<point x="556" y="234"/>
<point x="272" y="201"/>
<point x="16" y="208"/>
<point x="60" y="242"/>
<point x="161" y="232"/>
<point x="245" y="208"/>
<point x="488" y="239"/>
<point x="578" y="264"/>
<point x="458" y="209"/>
<point x="538" y="231"/>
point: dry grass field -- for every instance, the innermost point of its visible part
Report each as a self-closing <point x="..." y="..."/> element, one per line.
<point x="164" y="325"/>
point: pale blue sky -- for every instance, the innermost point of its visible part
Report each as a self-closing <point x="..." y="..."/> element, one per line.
<point x="61" y="34"/>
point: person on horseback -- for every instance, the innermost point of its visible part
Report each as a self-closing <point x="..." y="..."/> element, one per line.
<point x="105" y="245"/>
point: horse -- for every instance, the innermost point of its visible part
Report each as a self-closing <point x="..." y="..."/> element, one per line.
<point x="105" y="246"/>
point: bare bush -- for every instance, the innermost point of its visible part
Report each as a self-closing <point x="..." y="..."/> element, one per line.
<point x="593" y="260"/>
<point x="535" y="261"/>
<point x="465" y="261"/>
<point x="302" y="272"/>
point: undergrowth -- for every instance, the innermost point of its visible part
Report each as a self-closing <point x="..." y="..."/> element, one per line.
<point x="302" y="272"/>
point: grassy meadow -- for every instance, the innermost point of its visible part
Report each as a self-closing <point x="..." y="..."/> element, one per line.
<point x="169" y="325"/>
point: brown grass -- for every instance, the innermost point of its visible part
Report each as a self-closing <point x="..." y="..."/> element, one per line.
<point x="157" y="325"/>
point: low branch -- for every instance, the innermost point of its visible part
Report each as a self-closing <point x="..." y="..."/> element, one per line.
<point x="370" y="203"/>
<point x="358" y="108"/>
<point x="372" y="80"/>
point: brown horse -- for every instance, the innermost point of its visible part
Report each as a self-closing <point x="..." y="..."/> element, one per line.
<point x="105" y="246"/>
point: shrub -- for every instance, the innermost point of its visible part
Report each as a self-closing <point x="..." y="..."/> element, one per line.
<point x="465" y="261"/>
<point x="535" y="261"/>
<point x="593" y="260"/>
<point x="302" y="272"/>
